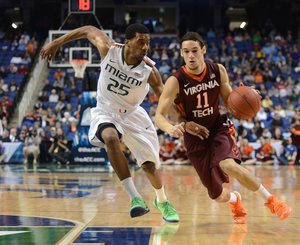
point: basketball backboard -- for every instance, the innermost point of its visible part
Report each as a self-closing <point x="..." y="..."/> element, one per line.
<point x="78" y="49"/>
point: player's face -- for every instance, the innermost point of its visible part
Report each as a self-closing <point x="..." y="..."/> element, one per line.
<point x="139" y="45"/>
<point x="192" y="54"/>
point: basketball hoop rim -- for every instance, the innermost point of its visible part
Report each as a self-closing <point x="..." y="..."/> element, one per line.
<point x="79" y="62"/>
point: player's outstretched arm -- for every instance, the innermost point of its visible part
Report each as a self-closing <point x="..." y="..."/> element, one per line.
<point x="168" y="95"/>
<point x="95" y="36"/>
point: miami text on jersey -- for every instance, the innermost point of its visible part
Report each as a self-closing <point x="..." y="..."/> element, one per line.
<point x="119" y="74"/>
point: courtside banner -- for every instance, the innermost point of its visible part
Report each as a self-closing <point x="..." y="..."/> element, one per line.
<point x="82" y="150"/>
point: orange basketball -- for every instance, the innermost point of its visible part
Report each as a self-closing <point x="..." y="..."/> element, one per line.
<point x="244" y="102"/>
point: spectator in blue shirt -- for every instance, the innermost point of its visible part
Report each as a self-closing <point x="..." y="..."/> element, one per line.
<point x="288" y="152"/>
<point x="211" y="33"/>
<point x="5" y="45"/>
<point x="268" y="49"/>
<point x="278" y="57"/>
<point x="164" y="68"/>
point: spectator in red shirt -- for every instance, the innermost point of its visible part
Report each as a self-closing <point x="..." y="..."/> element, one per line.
<point x="6" y="101"/>
<point x="23" y="70"/>
<point x="281" y="85"/>
<point x="5" y="111"/>
<point x="229" y="38"/>
<point x="12" y="68"/>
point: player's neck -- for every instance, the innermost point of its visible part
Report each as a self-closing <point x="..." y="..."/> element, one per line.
<point x="197" y="71"/>
<point x="129" y="58"/>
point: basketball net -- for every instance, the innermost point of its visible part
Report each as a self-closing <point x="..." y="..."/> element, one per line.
<point x="79" y="66"/>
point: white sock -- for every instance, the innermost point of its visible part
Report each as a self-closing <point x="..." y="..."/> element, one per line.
<point x="130" y="188"/>
<point x="233" y="198"/>
<point x="263" y="193"/>
<point x="160" y="194"/>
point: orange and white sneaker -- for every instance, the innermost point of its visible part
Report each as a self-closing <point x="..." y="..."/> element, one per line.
<point x="278" y="207"/>
<point x="239" y="214"/>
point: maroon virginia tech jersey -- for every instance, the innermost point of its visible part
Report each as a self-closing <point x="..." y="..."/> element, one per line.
<point x="198" y="98"/>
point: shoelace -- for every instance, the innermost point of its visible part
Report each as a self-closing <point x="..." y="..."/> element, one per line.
<point x="279" y="205"/>
<point x="168" y="208"/>
<point x="137" y="201"/>
<point x="239" y="210"/>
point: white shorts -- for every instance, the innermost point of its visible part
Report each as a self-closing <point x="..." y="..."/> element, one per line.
<point x="137" y="129"/>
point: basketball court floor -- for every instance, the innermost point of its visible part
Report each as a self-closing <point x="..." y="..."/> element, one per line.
<point x="80" y="205"/>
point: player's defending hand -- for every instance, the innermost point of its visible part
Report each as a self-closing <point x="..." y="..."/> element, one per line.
<point x="257" y="91"/>
<point x="197" y="130"/>
<point x="48" y="51"/>
<point x="176" y="130"/>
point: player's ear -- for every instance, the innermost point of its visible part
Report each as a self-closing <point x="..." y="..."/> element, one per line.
<point x="127" y="41"/>
<point x="204" y="49"/>
<point x="181" y="53"/>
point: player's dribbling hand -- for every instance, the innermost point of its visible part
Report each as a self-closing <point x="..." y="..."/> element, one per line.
<point x="177" y="130"/>
<point x="257" y="91"/>
<point x="197" y="130"/>
<point x="48" y="52"/>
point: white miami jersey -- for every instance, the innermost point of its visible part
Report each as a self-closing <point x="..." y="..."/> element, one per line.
<point x="121" y="87"/>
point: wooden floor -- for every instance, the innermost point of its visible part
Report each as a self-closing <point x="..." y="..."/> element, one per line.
<point x="88" y="205"/>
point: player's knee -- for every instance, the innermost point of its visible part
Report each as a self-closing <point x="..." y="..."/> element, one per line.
<point x="148" y="167"/>
<point x="110" y="138"/>
<point x="229" y="166"/>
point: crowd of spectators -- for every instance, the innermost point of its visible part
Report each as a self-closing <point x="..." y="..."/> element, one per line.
<point x="55" y="116"/>
<point x="17" y="50"/>
<point x="44" y="129"/>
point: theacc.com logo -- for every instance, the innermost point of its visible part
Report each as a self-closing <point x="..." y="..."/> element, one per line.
<point x="89" y="149"/>
<point x="89" y="159"/>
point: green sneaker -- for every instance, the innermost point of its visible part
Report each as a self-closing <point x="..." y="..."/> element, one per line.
<point x="168" y="211"/>
<point x="25" y="161"/>
<point x="34" y="161"/>
<point x="138" y="207"/>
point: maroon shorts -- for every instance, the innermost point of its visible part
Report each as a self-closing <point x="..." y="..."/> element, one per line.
<point x="206" y="154"/>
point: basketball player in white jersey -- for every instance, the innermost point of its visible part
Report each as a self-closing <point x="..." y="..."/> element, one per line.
<point x="126" y="73"/>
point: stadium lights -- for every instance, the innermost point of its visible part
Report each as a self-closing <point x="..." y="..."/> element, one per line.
<point x="243" y="24"/>
<point x="14" y="25"/>
<point x="237" y="17"/>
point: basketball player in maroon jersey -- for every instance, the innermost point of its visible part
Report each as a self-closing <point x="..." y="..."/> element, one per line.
<point x="209" y="137"/>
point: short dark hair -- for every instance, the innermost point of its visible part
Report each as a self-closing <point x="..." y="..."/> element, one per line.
<point x="192" y="36"/>
<point x="135" y="28"/>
